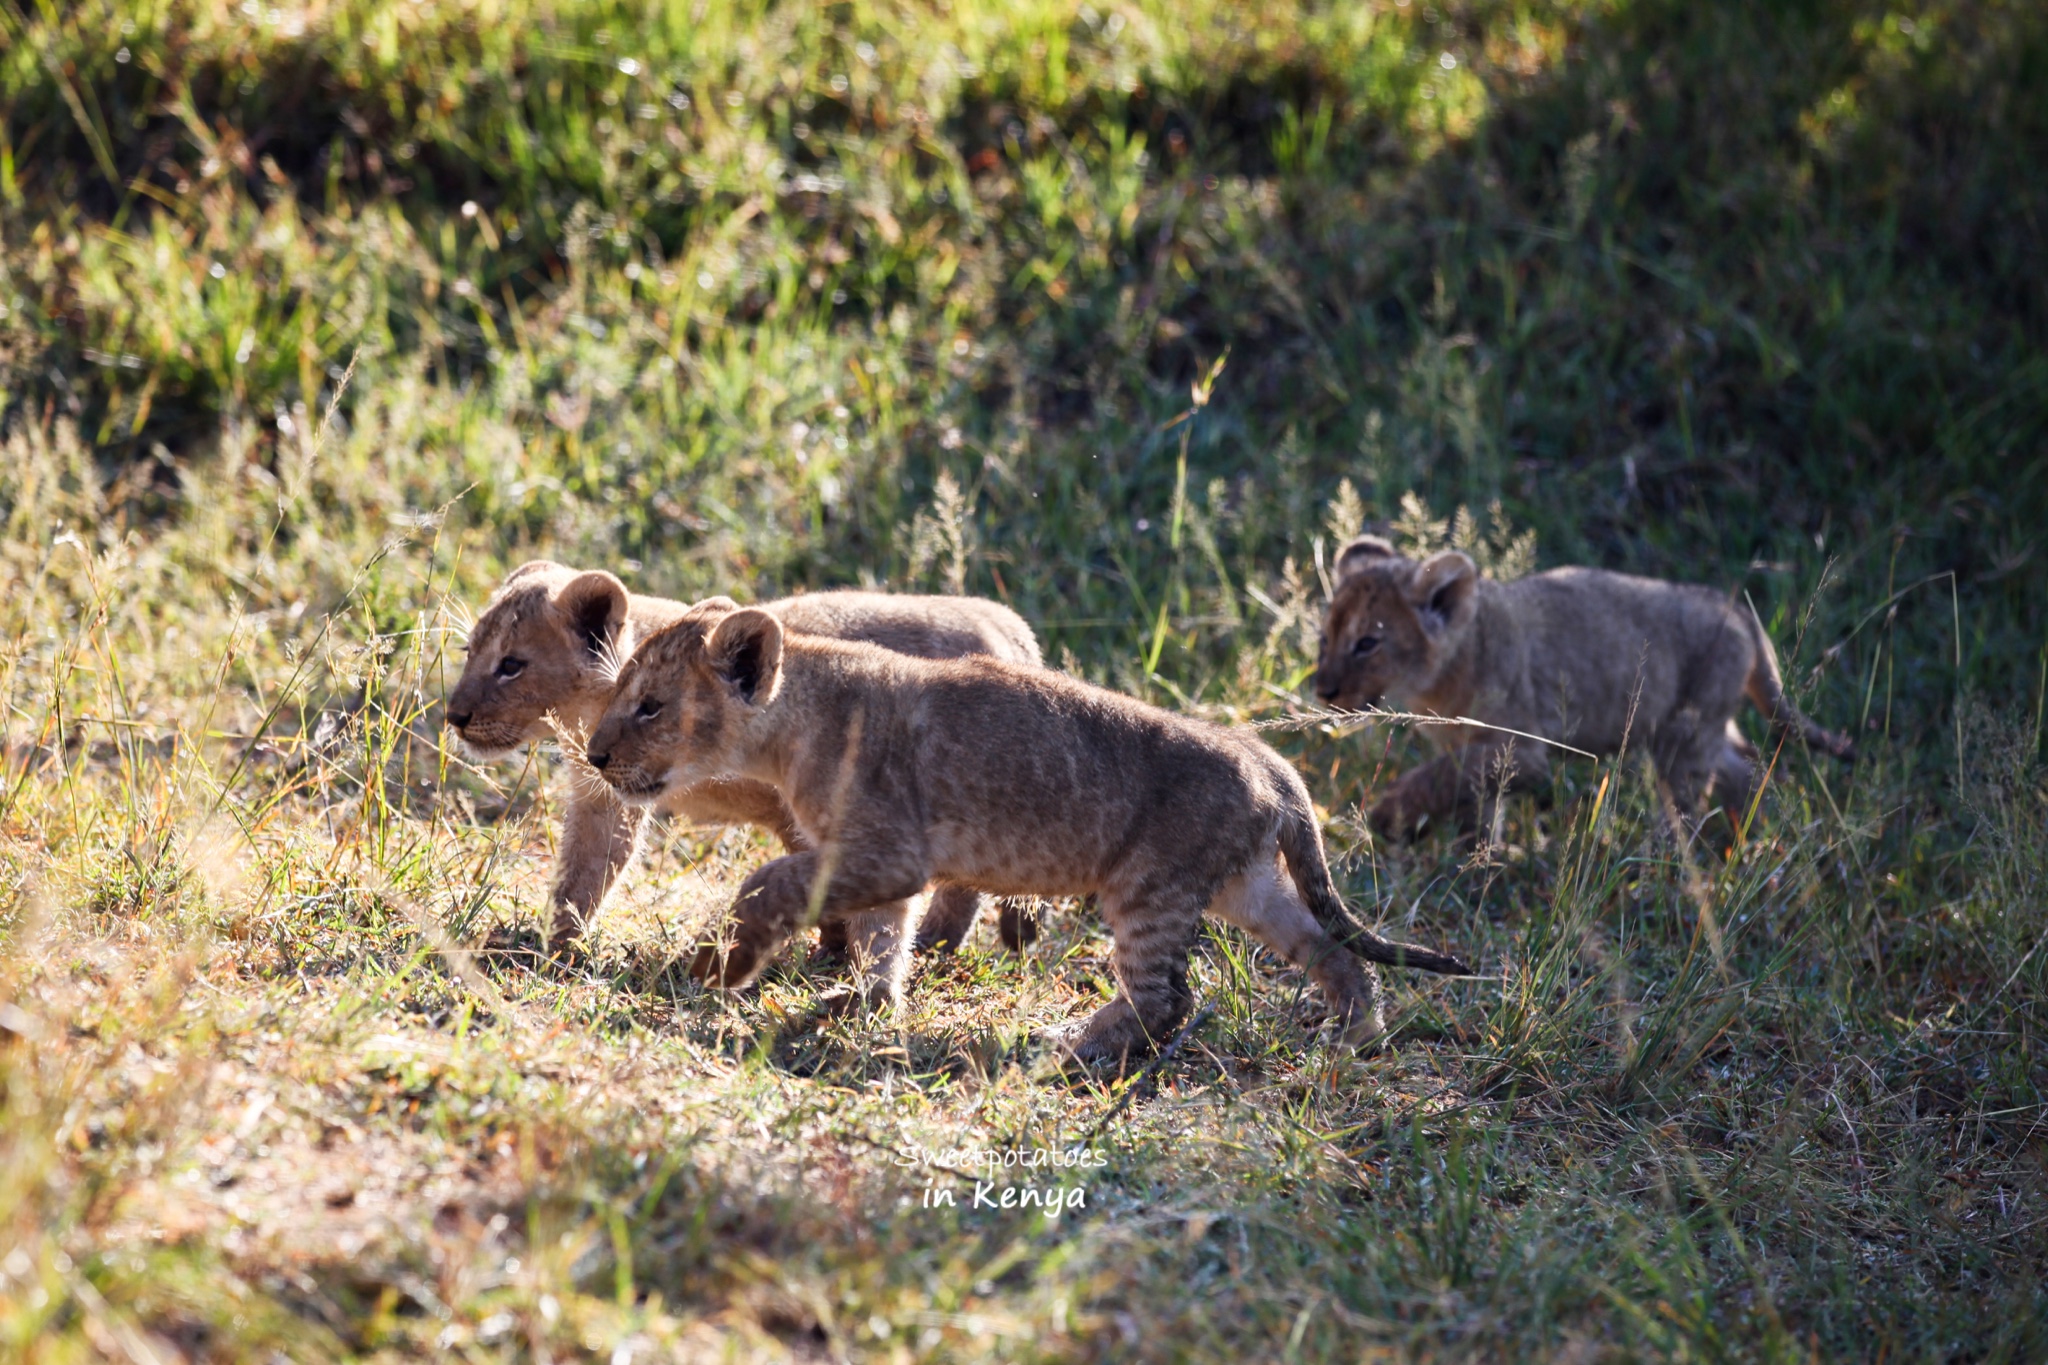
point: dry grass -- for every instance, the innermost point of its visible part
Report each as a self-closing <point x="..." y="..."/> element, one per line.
<point x="267" y="1088"/>
<point x="1740" y="293"/>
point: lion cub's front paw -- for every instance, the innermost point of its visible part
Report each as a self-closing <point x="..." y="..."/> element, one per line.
<point x="1064" y="1048"/>
<point x="565" y="932"/>
<point x="847" y="1000"/>
<point x="1391" y="817"/>
<point x="832" y="939"/>
<point x="726" y="966"/>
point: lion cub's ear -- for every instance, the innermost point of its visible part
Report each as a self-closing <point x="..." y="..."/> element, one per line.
<point x="745" y="651"/>
<point x="595" y="604"/>
<point x="1361" y="552"/>
<point x="711" y="606"/>
<point x="528" y="569"/>
<point x="1443" y="589"/>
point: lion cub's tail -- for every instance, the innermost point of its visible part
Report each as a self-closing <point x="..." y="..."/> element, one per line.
<point x="1301" y="843"/>
<point x="1766" y="688"/>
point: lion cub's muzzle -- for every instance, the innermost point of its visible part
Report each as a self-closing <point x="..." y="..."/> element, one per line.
<point x="483" y="738"/>
<point x="1332" y="691"/>
<point x="629" y="780"/>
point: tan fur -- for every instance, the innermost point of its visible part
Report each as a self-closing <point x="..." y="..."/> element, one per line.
<point x="1587" y="658"/>
<point x="1013" y="779"/>
<point x="566" y="632"/>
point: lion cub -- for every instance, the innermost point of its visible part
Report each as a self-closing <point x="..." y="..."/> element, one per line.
<point x="1012" y="779"/>
<point x="546" y="649"/>
<point x="1588" y="658"/>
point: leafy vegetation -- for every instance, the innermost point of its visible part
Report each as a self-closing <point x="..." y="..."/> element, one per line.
<point x="315" y="319"/>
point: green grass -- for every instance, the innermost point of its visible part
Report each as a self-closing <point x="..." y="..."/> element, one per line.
<point x="315" y="320"/>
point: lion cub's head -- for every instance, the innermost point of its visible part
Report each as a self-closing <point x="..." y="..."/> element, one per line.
<point x="546" y="644"/>
<point x="687" y="699"/>
<point x="1392" y="623"/>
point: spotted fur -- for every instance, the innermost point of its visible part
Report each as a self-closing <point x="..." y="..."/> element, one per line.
<point x="1014" y="779"/>
<point x="567" y="634"/>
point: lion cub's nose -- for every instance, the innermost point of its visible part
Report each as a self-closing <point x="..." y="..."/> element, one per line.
<point x="599" y="760"/>
<point x="458" y="719"/>
<point x="1327" y="689"/>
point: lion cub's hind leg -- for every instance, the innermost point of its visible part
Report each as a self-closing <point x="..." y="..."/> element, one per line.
<point x="945" y="925"/>
<point x="1265" y="906"/>
<point x="1154" y="921"/>
<point x="1738" y="773"/>
<point x="1692" y="761"/>
<point x="1017" y="922"/>
<point x="878" y="950"/>
<point x="955" y="908"/>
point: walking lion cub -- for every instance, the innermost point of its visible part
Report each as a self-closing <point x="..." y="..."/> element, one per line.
<point x="1590" y="659"/>
<point x="1016" y="780"/>
<point x="543" y="657"/>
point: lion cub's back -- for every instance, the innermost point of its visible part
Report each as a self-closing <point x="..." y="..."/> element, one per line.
<point x="1609" y="645"/>
<point x="1591" y="605"/>
<point x="1036" y="749"/>
<point x="921" y="626"/>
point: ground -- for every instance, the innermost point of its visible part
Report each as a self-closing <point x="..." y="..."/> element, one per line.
<point x="316" y="320"/>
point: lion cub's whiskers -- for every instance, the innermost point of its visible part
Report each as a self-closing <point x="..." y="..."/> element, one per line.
<point x="461" y="621"/>
<point x="612" y="653"/>
<point x="573" y="742"/>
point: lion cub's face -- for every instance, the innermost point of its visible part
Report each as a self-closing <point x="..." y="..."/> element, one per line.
<point x="1391" y="623"/>
<point x="686" y="701"/>
<point x="543" y="647"/>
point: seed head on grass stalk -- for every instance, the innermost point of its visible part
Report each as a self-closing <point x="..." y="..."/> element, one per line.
<point x="943" y="535"/>
<point x="1199" y="394"/>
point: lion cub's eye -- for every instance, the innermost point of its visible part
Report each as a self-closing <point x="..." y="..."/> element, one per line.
<point x="649" y="709"/>
<point x="1364" y="645"/>
<point x="509" y="667"/>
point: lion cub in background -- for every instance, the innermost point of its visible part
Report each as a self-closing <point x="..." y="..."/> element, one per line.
<point x="1585" y="657"/>
<point x="544" y="653"/>
<point x="1017" y="780"/>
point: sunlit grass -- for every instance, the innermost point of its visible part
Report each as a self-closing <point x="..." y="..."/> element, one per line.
<point x="256" y="1081"/>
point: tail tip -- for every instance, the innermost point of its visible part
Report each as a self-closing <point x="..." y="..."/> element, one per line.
<point x="1423" y="960"/>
